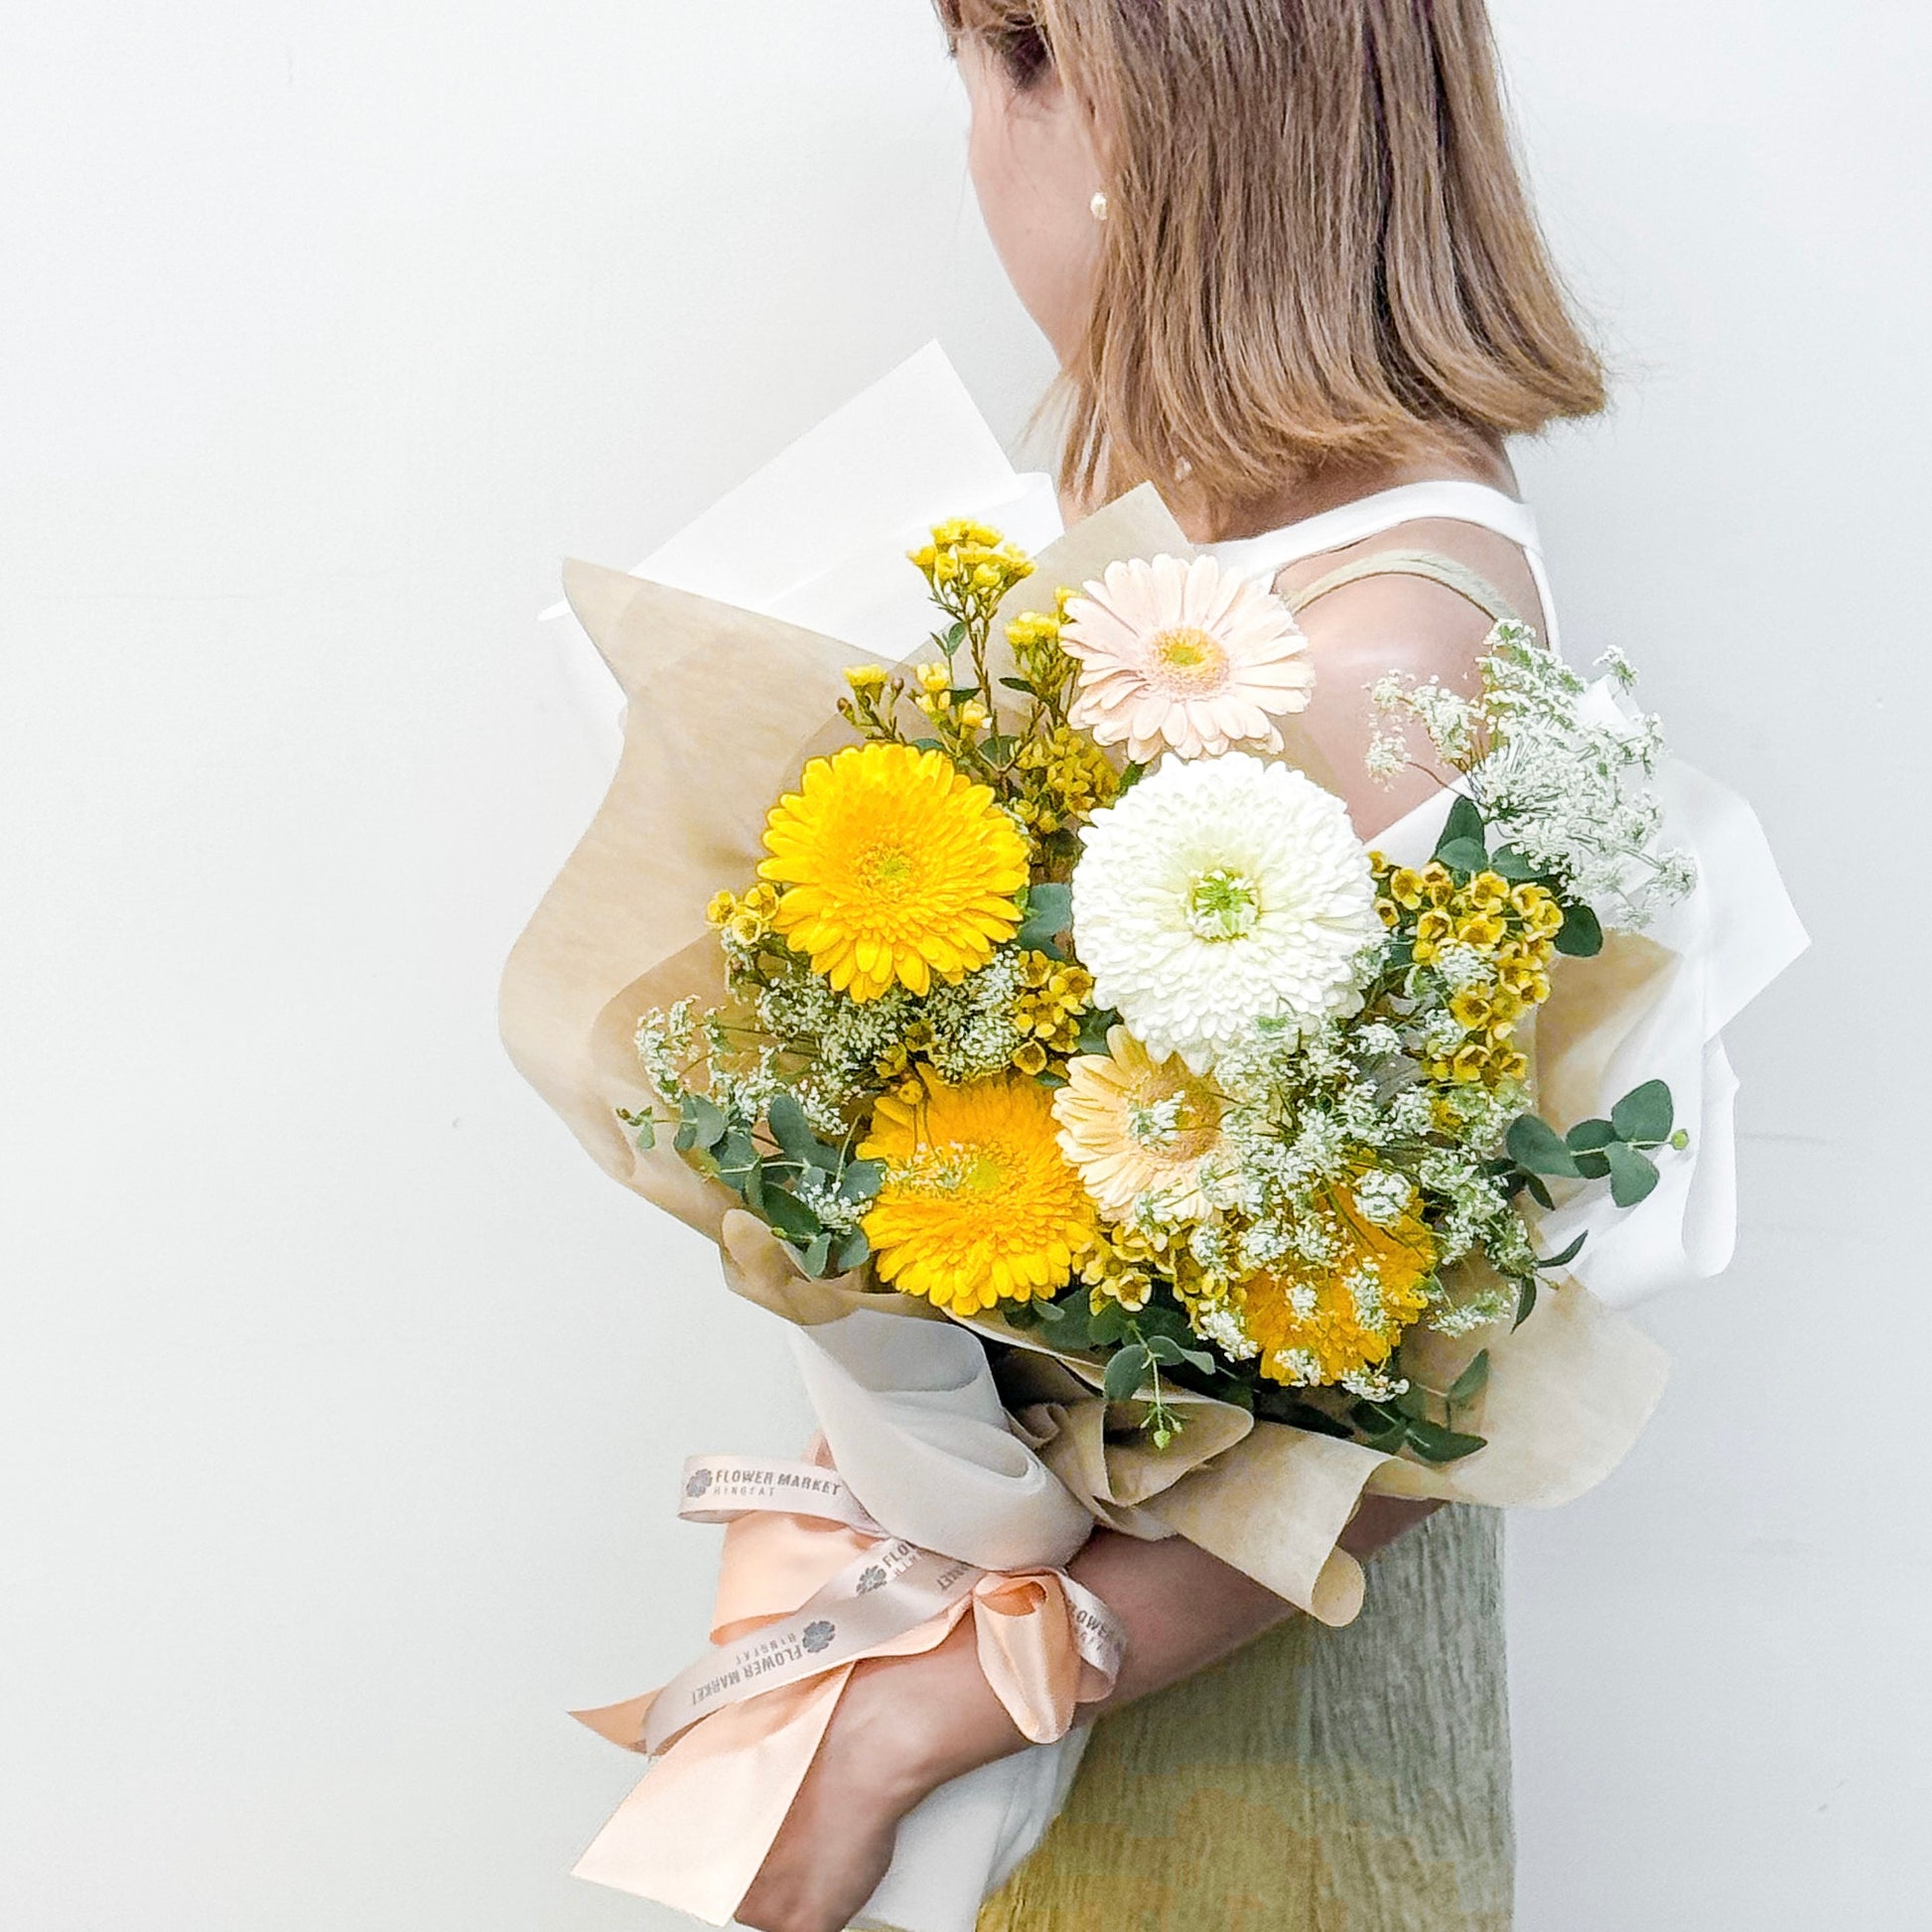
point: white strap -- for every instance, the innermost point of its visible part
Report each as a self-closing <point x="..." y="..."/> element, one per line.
<point x="1452" y="501"/>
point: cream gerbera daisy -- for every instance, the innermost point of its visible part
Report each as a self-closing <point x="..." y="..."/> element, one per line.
<point x="1222" y="891"/>
<point x="1187" y="657"/>
<point x="978" y="1206"/>
<point x="898" y="867"/>
<point x="1135" y="1126"/>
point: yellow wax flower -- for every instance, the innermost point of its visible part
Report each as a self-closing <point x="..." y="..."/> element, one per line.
<point x="897" y="865"/>
<point x="977" y="1206"/>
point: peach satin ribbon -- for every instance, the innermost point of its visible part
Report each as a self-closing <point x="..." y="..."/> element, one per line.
<point x="810" y="1585"/>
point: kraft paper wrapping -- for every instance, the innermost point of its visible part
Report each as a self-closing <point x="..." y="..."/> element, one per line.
<point x="724" y="707"/>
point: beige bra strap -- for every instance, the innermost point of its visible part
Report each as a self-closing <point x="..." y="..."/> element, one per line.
<point x="1444" y="571"/>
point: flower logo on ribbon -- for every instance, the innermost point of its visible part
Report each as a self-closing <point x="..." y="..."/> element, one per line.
<point x="818" y="1635"/>
<point x="697" y="1482"/>
<point x="871" y="1578"/>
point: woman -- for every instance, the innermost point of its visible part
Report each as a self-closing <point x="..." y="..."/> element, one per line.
<point x="1283" y="254"/>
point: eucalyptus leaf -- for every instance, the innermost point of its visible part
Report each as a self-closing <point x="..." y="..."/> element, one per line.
<point x="1592" y="1163"/>
<point x="1507" y="863"/>
<point x="1589" y="1133"/>
<point x="1435" y="1445"/>
<point x="1108" y="1326"/>
<point x="1538" y="1193"/>
<point x="1525" y="1302"/>
<point x="793" y="1132"/>
<point x="737" y="1159"/>
<point x="852" y="1252"/>
<point x="817" y="1255"/>
<point x="1465" y="822"/>
<point x="1463" y="855"/>
<point x="705" y="1120"/>
<point x="1070" y="1320"/>
<point x="1569" y="1254"/>
<point x="1581" y="935"/>
<point x="1126" y="1372"/>
<point x="789" y="1215"/>
<point x="861" y="1180"/>
<point x="1645" y="1113"/>
<point x="1632" y="1175"/>
<point x="1163" y="1316"/>
<point x="1535" y="1145"/>
<point x="1094" y="1027"/>
<point x="1169" y="1352"/>
<point x="1473" y="1381"/>
<point x="1049" y="909"/>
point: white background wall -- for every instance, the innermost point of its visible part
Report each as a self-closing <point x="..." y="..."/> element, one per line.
<point x="341" y="1395"/>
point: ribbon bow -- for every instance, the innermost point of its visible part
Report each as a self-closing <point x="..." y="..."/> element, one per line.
<point x="809" y="1586"/>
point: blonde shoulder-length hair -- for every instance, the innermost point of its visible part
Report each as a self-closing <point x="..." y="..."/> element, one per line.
<point x="1318" y="248"/>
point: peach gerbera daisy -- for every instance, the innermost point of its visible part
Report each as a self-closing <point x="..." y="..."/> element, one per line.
<point x="1184" y="657"/>
<point x="898" y="867"/>
<point x="977" y="1206"/>
<point x="1134" y="1125"/>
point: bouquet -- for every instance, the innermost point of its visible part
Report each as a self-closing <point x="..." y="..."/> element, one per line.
<point x="1120" y="1137"/>
<point x="1069" y="1010"/>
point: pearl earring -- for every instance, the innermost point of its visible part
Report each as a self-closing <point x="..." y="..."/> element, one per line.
<point x="1097" y="207"/>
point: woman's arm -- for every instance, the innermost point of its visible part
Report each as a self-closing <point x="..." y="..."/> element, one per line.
<point x="907" y="1725"/>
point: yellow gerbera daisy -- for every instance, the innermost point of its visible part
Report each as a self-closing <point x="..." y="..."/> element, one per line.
<point x="1316" y="1325"/>
<point x="899" y="867"/>
<point x="1134" y="1125"/>
<point x="977" y="1205"/>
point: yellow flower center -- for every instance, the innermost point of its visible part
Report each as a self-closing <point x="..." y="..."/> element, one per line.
<point x="1176" y="1128"/>
<point x="1188" y="660"/>
<point x="1224" y="905"/>
<point x="886" y="868"/>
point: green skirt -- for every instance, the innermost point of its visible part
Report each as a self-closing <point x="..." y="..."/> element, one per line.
<point x="1319" y="1780"/>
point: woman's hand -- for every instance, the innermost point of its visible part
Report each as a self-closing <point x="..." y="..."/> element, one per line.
<point x="902" y="1728"/>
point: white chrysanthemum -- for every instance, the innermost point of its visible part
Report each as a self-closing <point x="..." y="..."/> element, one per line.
<point x="1221" y="891"/>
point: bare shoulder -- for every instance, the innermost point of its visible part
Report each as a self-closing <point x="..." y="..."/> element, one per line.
<point x="1430" y="631"/>
<point x="1365" y="630"/>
